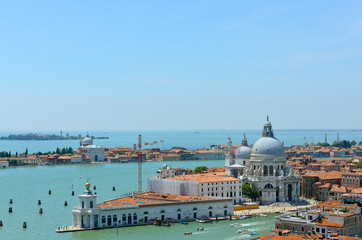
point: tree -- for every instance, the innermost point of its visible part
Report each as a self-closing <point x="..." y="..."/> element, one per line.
<point x="360" y="143"/>
<point x="358" y="165"/>
<point x="26" y="152"/>
<point x="323" y="144"/>
<point x="344" y="143"/>
<point x="200" y="169"/>
<point x="250" y="192"/>
<point x="57" y="151"/>
<point x="16" y="154"/>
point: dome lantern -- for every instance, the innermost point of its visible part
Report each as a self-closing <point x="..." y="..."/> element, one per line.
<point x="268" y="131"/>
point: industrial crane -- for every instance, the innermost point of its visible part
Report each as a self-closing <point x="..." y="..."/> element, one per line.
<point x="140" y="159"/>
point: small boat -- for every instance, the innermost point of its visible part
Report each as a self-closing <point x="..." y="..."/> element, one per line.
<point x="236" y="225"/>
<point x="188" y="233"/>
<point x="242" y="230"/>
<point x="262" y="215"/>
<point x="254" y="233"/>
<point x="183" y="222"/>
<point x="200" y="229"/>
<point x="204" y="221"/>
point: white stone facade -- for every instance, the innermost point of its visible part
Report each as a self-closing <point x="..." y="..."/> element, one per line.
<point x="264" y="167"/>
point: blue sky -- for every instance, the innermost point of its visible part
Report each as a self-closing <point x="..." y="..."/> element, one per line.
<point x="113" y="65"/>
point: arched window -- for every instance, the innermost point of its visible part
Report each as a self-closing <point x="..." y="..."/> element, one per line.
<point x="135" y="217"/>
<point x="225" y="206"/>
<point x="210" y="207"/>
<point x="162" y="211"/>
<point x="145" y="213"/>
<point x="270" y="170"/>
<point x="268" y="186"/>
<point x="103" y="219"/>
<point x="124" y="218"/>
<point x="195" y="209"/>
<point x="114" y="218"/>
<point x="178" y="210"/>
<point x="265" y="170"/>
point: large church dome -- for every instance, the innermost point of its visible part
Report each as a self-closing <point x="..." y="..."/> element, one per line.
<point x="267" y="144"/>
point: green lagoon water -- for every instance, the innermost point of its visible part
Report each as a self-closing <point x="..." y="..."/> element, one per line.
<point x="27" y="185"/>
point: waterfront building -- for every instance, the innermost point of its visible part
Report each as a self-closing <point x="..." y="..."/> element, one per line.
<point x="4" y="164"/>
<point x="326" y="218"/>
<point x="77" y="158"/>
<point x="213" y="184"/>
<point x="264" y="167"/>
<point x="94" y="152"/>
<point x="145" y="208"/>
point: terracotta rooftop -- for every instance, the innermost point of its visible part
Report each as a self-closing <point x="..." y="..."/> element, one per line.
<point x="150" y="199"/>
<point x="206" y="177"/>
<point x="336" y="204"/>
<point x="325" y="222"/>
<point x="339" y="189"/>
<point x="302" y="237"/>
<point x="324" y="175"/>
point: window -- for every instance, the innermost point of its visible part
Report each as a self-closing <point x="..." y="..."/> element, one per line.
<point x="162" y="211"/>
<point x="178" y="210"/>
<point x="210" y="207"/>
<point x="103" y="219"/>
<point x="109" y="220"/>
<point x="302" y="229"/>
<point x="145" y="213"/>
<point x="82" y="204"/>
<point x="114" y="218"/>
<point x="124" y="218"/>
<point x="91" y="204"/>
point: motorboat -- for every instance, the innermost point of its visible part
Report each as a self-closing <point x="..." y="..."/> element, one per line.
<point x="236" y="225"/>
<point x="242" y="230"/>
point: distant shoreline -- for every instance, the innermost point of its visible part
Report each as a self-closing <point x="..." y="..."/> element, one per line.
<point x="44" y="137"/>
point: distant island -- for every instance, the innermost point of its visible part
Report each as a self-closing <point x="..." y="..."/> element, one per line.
<point x="39" y="136"/>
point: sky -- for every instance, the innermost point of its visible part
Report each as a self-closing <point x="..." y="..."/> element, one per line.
<point x="158" y="65"/>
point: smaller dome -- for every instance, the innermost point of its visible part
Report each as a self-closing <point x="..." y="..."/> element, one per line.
<point x="87" y="141"/>
<point x="243" y="152"/>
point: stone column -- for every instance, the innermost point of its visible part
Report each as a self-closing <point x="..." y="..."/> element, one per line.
<point x="91" y="222"/>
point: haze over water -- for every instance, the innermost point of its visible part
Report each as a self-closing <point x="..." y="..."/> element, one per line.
<point x="190" y="139"/>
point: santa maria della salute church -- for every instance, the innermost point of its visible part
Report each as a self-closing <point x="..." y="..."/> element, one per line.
<point x="263" y="166"/>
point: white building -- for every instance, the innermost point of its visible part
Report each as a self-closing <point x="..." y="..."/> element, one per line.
<point x="145" y="208"/>
<point x="214" y="184"/>
<point x="264" y="167"/>
<point x="94" y="152"/>
<point x="166" y="171"/>
<point x="4" y="164"/>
